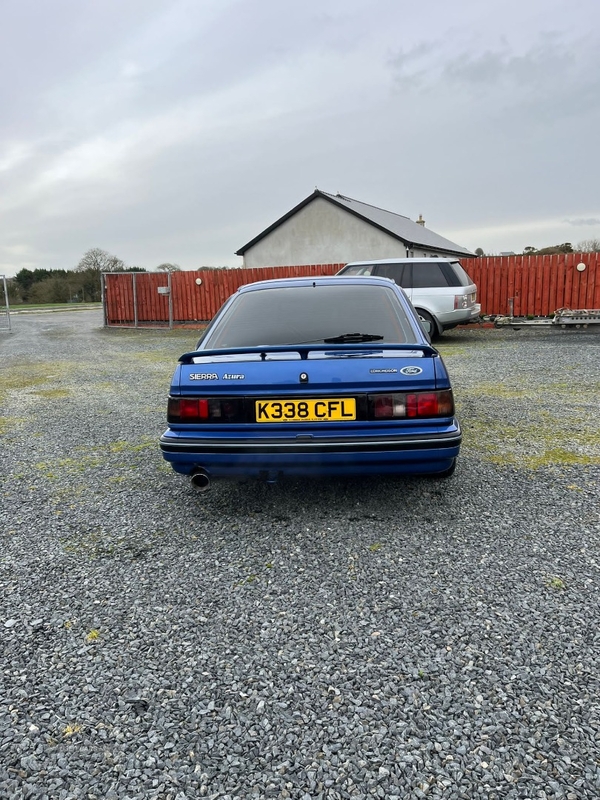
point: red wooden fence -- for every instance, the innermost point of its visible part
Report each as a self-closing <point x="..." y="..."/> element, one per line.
<point x="132" y="298"/>
<point x="537" y="285"/>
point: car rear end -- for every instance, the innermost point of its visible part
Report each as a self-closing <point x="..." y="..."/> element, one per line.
<point x="314" y="408"/>
<point x="391" y="412"/>
<point x="440" y="287"/>
<point x="452" y="305"/>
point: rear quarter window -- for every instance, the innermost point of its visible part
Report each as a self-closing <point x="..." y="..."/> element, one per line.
<point x="358" y="269"/>
<point x="399" y="273"/>
<point x="463" y="279"/>
<point x="429" y="275"/>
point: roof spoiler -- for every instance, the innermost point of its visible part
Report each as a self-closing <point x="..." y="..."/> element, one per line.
<point x="305" y="349"/>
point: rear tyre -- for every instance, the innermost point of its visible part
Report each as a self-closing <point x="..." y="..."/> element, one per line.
<point x="435" y="331"/>
<point x="447" y="473"/>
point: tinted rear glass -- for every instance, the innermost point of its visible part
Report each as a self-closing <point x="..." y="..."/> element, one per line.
<point x="428" y="275"/>
<point x="358" y="269"/>
<point x="310" y="314"/>
<point x="397" y="272"/>
<point x="462" y="276"/>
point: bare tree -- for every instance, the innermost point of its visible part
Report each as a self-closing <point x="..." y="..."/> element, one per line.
<point x="588" y="246"/>
<point x="93" y="263"/>
<point x="100" y="261"/>
<point x="166" y="267"/>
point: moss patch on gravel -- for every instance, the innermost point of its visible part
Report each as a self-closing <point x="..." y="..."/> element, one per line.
<point x="8" y="424"/>
<point x="122" y="446"/>
<point x="91" y="458"/>
<point x="448" y="350"/>
<point x="52" y="394"/>
<point x="32" y="376"/>
<point x="531" y="440"/>
<point x="66" y="466"/>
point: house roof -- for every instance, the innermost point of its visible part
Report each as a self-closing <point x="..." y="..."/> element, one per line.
<point x="396" y="225"/>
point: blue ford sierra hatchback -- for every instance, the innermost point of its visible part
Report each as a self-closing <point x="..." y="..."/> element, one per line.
<point x="312" y="377"/>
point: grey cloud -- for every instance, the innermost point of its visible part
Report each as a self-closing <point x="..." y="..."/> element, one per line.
<point x="582" y="222"/>
<point x="557" y="75"/>
<point x="492" y="67"/>
<point x="413" y="68"/>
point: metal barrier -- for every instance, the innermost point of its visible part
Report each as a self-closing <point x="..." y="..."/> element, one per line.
<point x="137" y="299"/>
<point x="190" y="298"/>
<point x="5" y="308"/>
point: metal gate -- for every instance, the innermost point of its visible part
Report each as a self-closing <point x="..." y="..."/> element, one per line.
<point x="137" y="299"/>
<point x="188" y="298"/>
<point x="4" y="307"/>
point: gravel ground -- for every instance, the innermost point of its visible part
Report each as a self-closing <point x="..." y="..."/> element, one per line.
<point x="346" y="639"/>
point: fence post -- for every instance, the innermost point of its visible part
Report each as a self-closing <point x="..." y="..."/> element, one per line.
<point x="6" y="303"/>
<point x="170" y="301"/>
<point x="135" y="308"/>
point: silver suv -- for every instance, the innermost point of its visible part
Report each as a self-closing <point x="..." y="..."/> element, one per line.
<point x="439" y="288"/>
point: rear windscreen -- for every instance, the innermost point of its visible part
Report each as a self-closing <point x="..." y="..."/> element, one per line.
<point x="308" y="314"/>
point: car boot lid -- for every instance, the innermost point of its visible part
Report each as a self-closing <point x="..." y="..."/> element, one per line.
<point x="317" y="367"/>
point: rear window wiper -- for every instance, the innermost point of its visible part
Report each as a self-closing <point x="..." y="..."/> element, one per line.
<point x="350" y="338"/>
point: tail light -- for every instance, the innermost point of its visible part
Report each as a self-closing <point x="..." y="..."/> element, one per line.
<point x="205" y="409"/>
<point x="416" y="405"/>
<point x="397" y="405"/>
<point x="465" y="300"/>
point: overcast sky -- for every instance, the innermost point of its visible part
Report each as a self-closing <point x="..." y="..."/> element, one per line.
<point x="177" y="130"/>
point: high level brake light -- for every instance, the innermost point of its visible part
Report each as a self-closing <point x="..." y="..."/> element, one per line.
<point x="414" y="405"/>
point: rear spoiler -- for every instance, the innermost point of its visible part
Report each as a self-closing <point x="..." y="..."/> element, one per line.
<point x="365" y="348"/>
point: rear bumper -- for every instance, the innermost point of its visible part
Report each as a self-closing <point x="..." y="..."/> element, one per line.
<point x="419" y="453"/>
<point x="462" y="316"/>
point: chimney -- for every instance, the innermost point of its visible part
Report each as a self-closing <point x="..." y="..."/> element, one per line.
<point x="421" y="221"/>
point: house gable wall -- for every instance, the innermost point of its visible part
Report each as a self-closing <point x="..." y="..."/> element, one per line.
<point x="323" y="233"/>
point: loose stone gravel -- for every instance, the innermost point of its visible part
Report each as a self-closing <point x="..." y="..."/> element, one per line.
<point x="392" y="638"/>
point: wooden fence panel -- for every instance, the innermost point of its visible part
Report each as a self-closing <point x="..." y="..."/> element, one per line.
<point x="536" y="285"/>
<point x="118" y="299"/>
<point x="593" y="288"/>
<point x="553" y="283"/>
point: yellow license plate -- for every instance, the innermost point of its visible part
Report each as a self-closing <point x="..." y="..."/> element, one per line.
<point x="323" y="410"/>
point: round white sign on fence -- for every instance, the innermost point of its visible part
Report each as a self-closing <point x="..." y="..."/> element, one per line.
<point x="580" y="267"/>
<point x="199" y="280"/>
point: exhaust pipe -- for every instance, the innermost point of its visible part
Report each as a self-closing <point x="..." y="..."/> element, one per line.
<point x="200" y="480"/>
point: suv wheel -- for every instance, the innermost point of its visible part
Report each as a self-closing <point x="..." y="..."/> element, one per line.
<point x="433" y="323"/>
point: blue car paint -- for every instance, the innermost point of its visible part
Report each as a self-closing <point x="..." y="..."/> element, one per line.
<point x="267" y="450"/>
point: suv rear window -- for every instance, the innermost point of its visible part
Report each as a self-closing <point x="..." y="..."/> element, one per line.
<point x="428" y="275"/>
<point x="462" y="276"/>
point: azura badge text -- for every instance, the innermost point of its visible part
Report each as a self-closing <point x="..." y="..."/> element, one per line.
<point x="212" y="376"/>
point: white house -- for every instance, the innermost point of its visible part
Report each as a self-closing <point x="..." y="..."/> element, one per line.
<point x="334" y="229"/>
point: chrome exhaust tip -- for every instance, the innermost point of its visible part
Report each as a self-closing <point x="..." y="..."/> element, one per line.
<point x="200" y="480"/>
